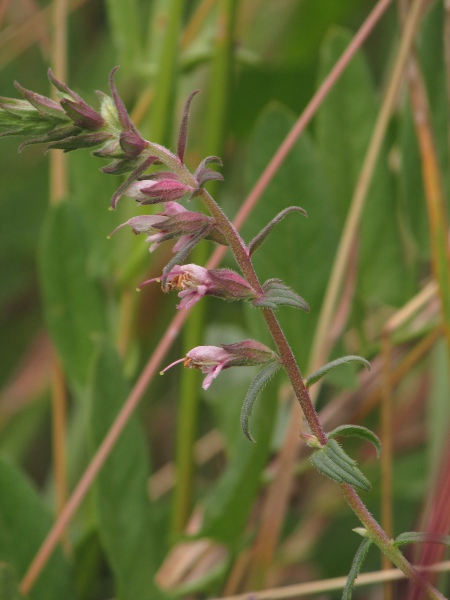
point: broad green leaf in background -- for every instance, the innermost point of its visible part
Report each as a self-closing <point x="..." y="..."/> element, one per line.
<point x="123" y="507"/>
<point x="228" y="505"/>
<point x="9" y="586"/>
<point x="299" y="251"/>
<point x="24" y="523"/>
<point x="344" y="125"/>
<point x="73" y="305"/>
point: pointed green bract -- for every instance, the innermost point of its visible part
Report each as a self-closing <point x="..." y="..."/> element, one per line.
<point x="314" y="377"/>
<point x="332" y="461"/>
<point x="256" y="386"/>
<point x="416" y="537"/>
<point x="360" y="556"/>
<point x="277" y="293"/>
<point x="357" y="431"/>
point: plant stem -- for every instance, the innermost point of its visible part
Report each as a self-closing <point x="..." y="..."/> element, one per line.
<point x="376" y="532"/>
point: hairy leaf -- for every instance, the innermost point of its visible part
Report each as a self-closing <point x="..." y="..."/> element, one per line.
<point x="332" y="461"/>
<point x="314" y="377"/>
<point x="277" y="293"/>
<point x="416" y="537"/>
<point x="256" y="386"/>
<point x="357" y="431"/>
<point x="360" y="556"/>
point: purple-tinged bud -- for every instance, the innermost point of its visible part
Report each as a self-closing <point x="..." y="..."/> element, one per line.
<point x="82" y="115"/>
<point x="154" y="190"/>
<point x="132" y="143"/>
<point x="193" y="282"/>
<point x="213" y="359"/>
<point x="44" y="105"/>
<point x="76" y="108"/>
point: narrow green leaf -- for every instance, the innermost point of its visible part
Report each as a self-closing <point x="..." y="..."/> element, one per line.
<point x="360" y="556"/>
<point x="123" y="507"/>
<point x="24" y="523"/>
<point x="9" y="589"/>
<point x="332" y="461"/>
<point x="416" y="537"/>
<point x="73" y="305"/>
<point x="256" y="386"/>
<point x="357" y="431"/>
<point x="314" y="377"/>
<point x="262" y="235"/>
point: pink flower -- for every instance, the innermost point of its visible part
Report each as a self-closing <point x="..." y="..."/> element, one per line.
<point x="174" y="222"/>
<point x="194" y="282"/>
<point x="213" y="359"/>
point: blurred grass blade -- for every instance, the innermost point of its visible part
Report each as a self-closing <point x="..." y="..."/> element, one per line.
<point x="125" y="23"/>
<point x="73" y="305"/>
<point x="24" y="523"/>
<point x="360" y="556"/>
<point x="123" y="508"/>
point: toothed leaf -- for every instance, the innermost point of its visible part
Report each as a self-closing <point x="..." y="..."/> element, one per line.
<point x="357" y="431"/>
<point x="277" y="293"/>
<point x="332" y="461"/>
<point x="262" y="235"/>
<point x="360" y="556"/>
<point x="256" y="386"/>
<point x="416" y="537"/>
<point x="314" y="377"/>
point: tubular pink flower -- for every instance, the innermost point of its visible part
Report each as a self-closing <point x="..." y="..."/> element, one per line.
<point x="213" y="359"/>
<point x="194" y="282"/>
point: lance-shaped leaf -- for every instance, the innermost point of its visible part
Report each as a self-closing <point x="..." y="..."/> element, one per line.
<point x="182" y="136"/>
<point x="314" y="377"/>
<point x="134" y="175"/>
<point x="277" y="293"/>
<point x="416" y="537"/>
<point x="332" y="461"/>
<point x="256" y="386"/>
<point x="360" y="556"/>
<point x="262" y="235"/>
<point x="357" y="431"/>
